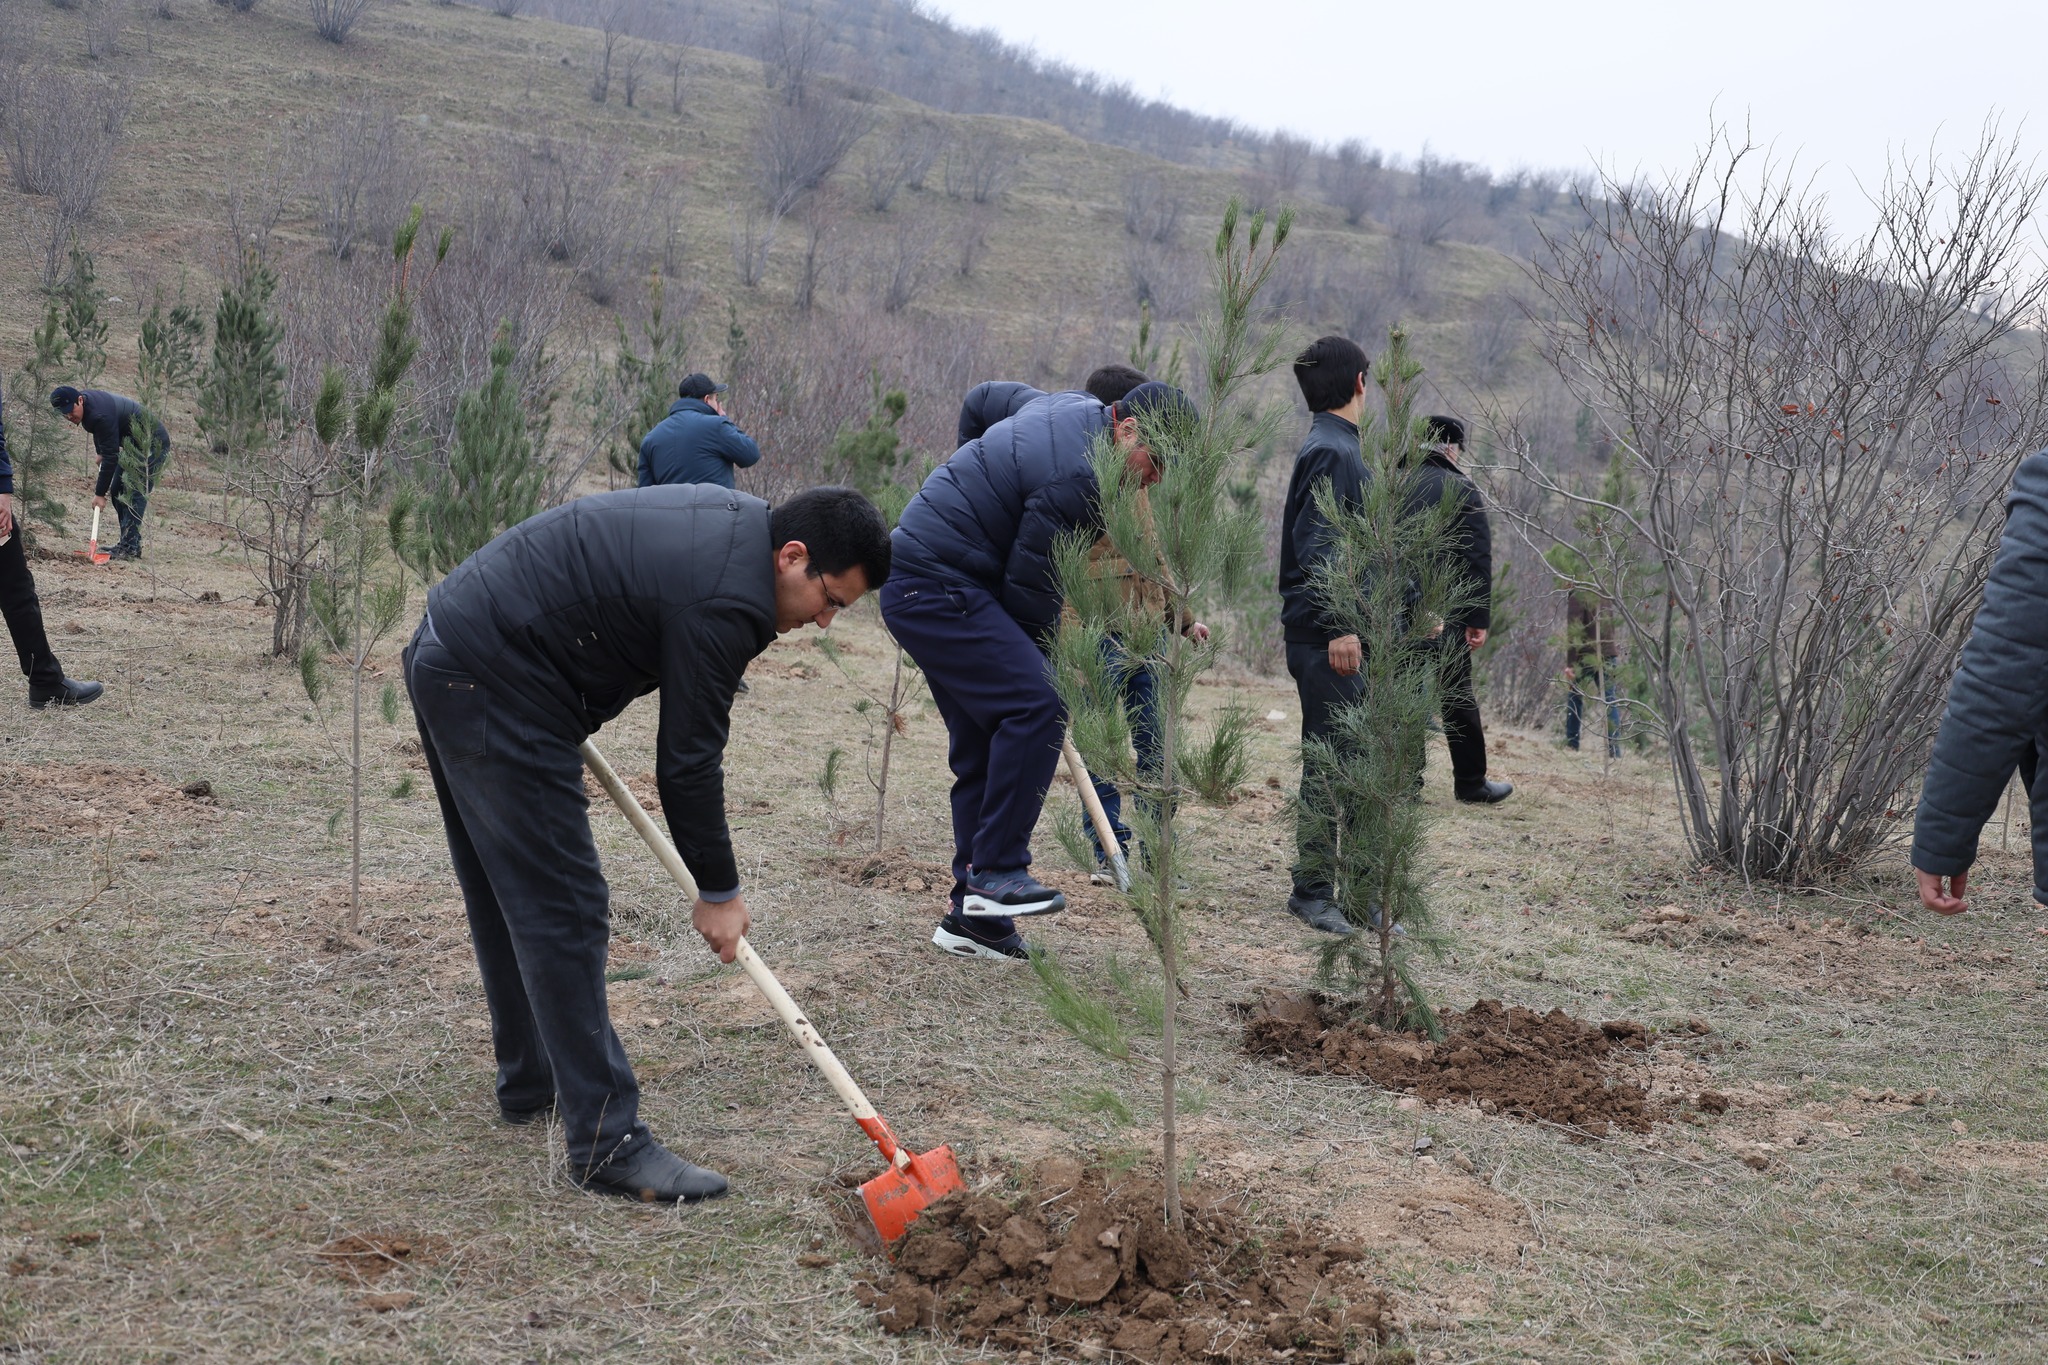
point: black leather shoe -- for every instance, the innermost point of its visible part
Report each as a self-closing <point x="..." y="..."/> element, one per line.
<point x="655" y="1175"/>
<point x="65" y="693"/>
<point x="1318" y="914"/>
<point x="1488" y="794"/>
<point x="520" y="1118"/>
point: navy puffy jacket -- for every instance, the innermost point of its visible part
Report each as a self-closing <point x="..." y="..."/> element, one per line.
<point x="989" y="403"/>
<point x="990" y="514"/>
<point x="693" y="444"/>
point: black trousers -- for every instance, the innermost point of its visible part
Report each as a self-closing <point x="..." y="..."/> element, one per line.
<point x="24" y="615"/>
<point x="1463" y="732"/>
<point x="518" y="824"/>
<point x="1323" y="694"/>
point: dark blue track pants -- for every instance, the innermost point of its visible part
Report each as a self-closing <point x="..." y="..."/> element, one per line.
<point x="1004" y="721"/>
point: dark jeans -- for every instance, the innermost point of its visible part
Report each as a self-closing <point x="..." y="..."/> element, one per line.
<point x="131" y="503"/>
<point x="1004" y="721"/>
<point x="1323" y="694"/>
<point x="1574" y="702"/>
<point x="1459" y="707"/>
<point x="518" y="824"/>
<point x="24" y="615"/>
<point x="1141" y="705"/>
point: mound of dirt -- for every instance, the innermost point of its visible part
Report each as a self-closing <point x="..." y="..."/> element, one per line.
<point x="895" y="870"/>
<point x="1507" y="1059"/>
<point x="1087" y="1269"/>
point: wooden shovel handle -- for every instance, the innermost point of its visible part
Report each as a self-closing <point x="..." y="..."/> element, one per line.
<point x="793" y="1018"/>
<point x="1092" y="803"/>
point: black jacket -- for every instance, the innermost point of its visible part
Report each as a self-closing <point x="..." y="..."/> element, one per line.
<point x="569" y="616"/>
<point x="1998" y="702"/>
<point x="990" y="514"/>
<point x="110" y="420"/>
<point x="1329" y="454"/>
<point x="1470" y="537"/>
<point x="6" y="465"/>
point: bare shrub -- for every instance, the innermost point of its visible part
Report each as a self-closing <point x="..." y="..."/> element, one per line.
<point x="970" y="240"/>
<point x="904" y="157"/>
<point x="1492" y="335"/>
<point x="103" y="26"/>
<point x="1286" y="157"/>
<point x="799" y="146"/>
<point x="792" y="48"/>
<point x="753" y="237"/>
<point x="360" y="171"/>
<point x="574" y="209"/>
<point x="612" y="18"/>
<point x="1813" y="436"/>
<point x="1152" y="208"/>
<point x="902" y="261"/>
<point x="334" y="20"/>
<point x="631" y="57"/>
<point x="261" y="191"/>
<point x="236" y="6"/>
<point x="982" y="166"/>
<point x="63" y="131"/>
<point x="507" y="9"/>
<point x="1165" y="279"/>
<point x="1355" y="181"/>
<point x="822" y="220"/>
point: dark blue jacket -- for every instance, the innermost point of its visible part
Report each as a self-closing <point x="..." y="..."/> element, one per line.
<point x="989" y="515"/>
<point x="1998" y="702"/>
<point x="111" y="420"/>
<point x="989" y="403"/>
<point x="693" y="444"/>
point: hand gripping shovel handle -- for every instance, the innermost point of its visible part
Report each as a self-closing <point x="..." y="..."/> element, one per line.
<point x="1078" y="770"/>
<point x="793" y="1018"/>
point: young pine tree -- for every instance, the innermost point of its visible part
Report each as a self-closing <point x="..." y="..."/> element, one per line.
<point x="494" y="478"/>
<point x="35" y="432"/>
<point x="85" y="324"/>
<point x="644" y="376"/>
<point x="1194" y="543"/>
<point x="167" y="367"/>
<point x="1391" y="581"/>
<point x="241" y="395"/>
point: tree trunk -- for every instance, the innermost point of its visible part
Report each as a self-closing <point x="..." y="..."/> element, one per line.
<point x="1169" y="962"/>
<point x="888" y="739"/>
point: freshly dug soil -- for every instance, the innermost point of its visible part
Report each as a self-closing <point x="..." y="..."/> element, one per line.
<point x="1087" y="1269"/>
<point x="1507" y="1059"/>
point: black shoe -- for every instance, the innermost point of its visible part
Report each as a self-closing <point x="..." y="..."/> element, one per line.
<point x="963" y="937"/>
<point x="66" y="693"/>
<point x="655" y="1175"/>
<point x="125" y="552"/>
<point x="1318" y="914"/>
<point x="1488" y="793"/>
<point x="520" y="1118"/>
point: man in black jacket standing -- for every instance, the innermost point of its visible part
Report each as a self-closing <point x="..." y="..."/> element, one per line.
<point x="114" y="422"/>
<point x="1471" y="544"/>
<point x="47" y="685"/>
<point x="1997" y="716"/>
<point x="1324" y="661"/>
<point x="534" y="642"/>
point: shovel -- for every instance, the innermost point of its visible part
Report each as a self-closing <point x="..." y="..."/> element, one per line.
<point x="92" y="544"/>
<point x="1092" y="803"/>
<point x="913" y="1181"/>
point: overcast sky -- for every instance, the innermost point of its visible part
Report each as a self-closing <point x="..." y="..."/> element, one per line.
<point x="1572" y="82"/>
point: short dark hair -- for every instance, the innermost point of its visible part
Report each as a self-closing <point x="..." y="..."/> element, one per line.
<point x="1113" y="381"/>
<point x="63" y="398"/>
<point x="1329" y="371"/>
<point x="839" y="526"/>
<point x="1446" y="431"/>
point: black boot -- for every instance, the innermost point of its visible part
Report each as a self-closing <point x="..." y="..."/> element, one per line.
<point x="655" y="1175"/>
<point x="66" y="693"/>
<point x="1488" y="793"/>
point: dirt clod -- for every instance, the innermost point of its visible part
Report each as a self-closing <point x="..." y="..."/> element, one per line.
<point x="1099" y="1273"/>
<point x="1547" y="1067"/>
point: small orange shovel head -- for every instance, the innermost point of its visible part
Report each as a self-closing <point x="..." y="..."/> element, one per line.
<point x="898" y="1195"/>
<point x="92" y="544"/>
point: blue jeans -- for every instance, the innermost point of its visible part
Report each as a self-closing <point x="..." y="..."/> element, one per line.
<point x="130" y="503"/>
<point x="518" y="826"/>
<point x="1004" y="720"/>
<point x="1141" y="705"/>
<point x="1575" y="701"/>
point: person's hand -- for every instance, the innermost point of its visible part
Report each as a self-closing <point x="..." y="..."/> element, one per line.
<point x="1199" y="633"/>
<point x="1942" y="901"/>
<point x="722" y="924"/>
<point x="6" y="515"/>
<point x="99" y="500"/>
<point x="1475" y="636"/>
<point x="1346" y="656"/>
<point x="1570" y="673"/>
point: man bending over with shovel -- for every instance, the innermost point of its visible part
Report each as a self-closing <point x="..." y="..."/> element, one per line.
<point x="975" y="604"/>
<point x="534" y="642"/>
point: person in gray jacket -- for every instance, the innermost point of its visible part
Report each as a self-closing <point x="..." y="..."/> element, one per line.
<point x="527" y="648"/>
<point x="696" y="442"/>
<point x="1997" y="715"/>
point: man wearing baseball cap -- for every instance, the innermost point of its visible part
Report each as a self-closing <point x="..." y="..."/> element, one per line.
<point x="696" y="442"/>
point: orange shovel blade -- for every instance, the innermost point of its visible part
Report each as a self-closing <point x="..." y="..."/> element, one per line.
<point x="897" y="1196"/>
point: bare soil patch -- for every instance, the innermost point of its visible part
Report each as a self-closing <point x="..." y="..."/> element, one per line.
<point x="364" y="1258"/>
<point x="1551" y="1068"/>
<point x="1087" y="1267"/>
<point x="894" y="870"/>
<point x="98" y="799"/>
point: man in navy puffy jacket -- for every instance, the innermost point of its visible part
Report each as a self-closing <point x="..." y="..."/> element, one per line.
<point x="696" y="442"/>
<point x="972" y="598"/>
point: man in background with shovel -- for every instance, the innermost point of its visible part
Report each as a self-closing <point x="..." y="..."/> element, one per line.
<point x="529" y="646"/>
<point x="114" y="423"/>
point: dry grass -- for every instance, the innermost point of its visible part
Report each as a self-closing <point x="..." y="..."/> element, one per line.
<point x="203" y="1083"/>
